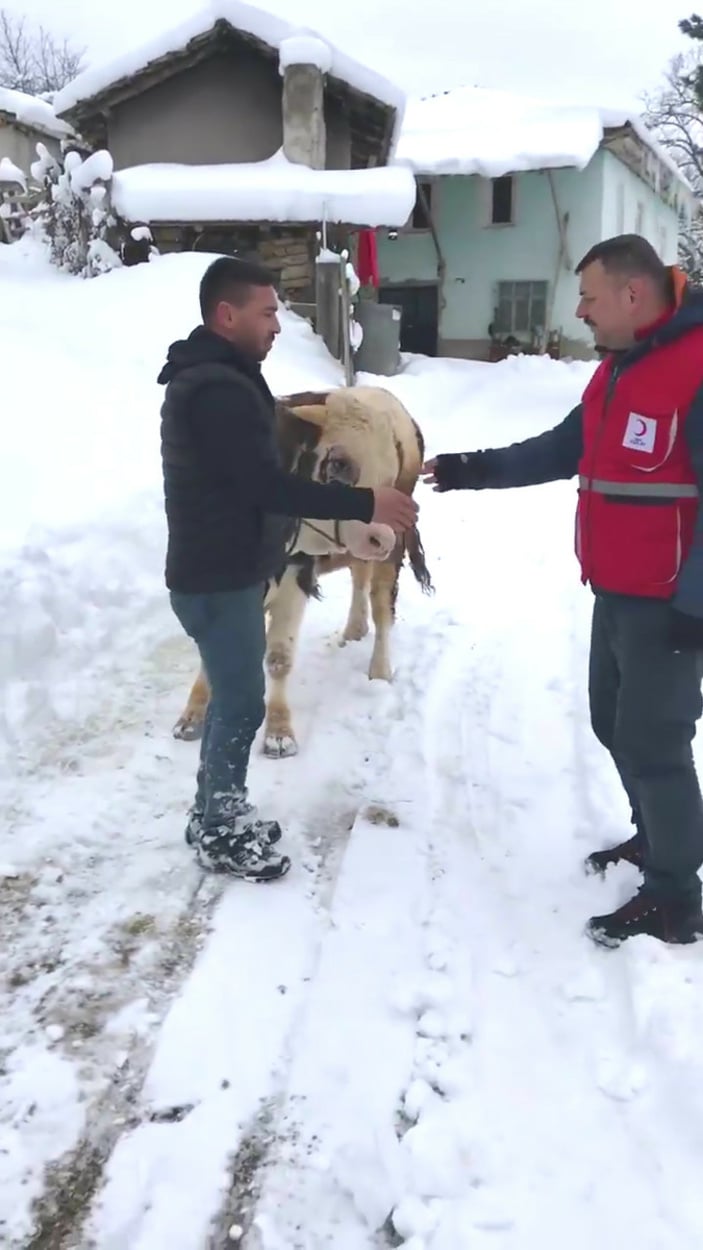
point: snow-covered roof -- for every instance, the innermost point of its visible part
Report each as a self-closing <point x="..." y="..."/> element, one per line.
<point x="271" y="30"/>
<point x="476" y="130"/>
<point x="272" y="190"/>
<point x="31" y="111"/>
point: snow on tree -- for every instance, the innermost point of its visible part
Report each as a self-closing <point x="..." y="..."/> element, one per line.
<point x="693" y="27"/>
<point x="675" y="114"/>
<point x="74" y="215"/>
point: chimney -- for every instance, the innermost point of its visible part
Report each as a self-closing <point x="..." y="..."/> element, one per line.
<point x="304" y="60"/>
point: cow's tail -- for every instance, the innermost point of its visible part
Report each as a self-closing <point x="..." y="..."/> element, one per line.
<point x="416" y="555"/>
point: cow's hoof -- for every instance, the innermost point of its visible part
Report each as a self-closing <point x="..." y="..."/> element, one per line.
<point x="280" y="746"/>
<point x="186" y="729"/>
<point x="380" y="672"/>
<point x="355" y="631"/>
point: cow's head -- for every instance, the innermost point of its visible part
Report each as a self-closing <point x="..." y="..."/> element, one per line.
<point x="322" y="455"/>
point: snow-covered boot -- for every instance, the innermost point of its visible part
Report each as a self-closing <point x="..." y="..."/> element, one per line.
<point x="678" y="921"/>
<point x="239" y="855"/>
<point x="267" y="831"/>
<point x="629" y="852"/>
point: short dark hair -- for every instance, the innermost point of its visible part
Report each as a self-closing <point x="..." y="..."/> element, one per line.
<point x="629" y="255"/>
<point x="231" y="279"/>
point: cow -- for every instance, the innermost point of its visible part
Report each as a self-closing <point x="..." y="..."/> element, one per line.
<point x="362" y="436"/>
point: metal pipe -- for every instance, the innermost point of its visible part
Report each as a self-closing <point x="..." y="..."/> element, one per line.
<point x="562" y="256"/>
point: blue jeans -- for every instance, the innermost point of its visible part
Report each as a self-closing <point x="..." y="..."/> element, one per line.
<point x="228" y="628"/>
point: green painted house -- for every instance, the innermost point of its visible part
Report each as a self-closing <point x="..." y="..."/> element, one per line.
<point x="511" y="194"/>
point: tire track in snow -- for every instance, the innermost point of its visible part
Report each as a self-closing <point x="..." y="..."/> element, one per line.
<point x="222" y="1051"/>
<point x="655" y="994"/>
<point x="535" y="1107"/>
<point x="331" y="1177"/>
<point x="109" y="912"/>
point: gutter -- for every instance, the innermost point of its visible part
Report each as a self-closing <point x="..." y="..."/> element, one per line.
<point x="441" y="263"/>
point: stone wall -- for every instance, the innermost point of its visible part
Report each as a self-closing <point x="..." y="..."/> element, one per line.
<point x="288" y="250"/>
<point x="291" y="255"/>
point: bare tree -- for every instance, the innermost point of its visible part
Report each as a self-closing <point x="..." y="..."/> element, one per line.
<point x="674" y="114"/>
<point x="34" y="60"/>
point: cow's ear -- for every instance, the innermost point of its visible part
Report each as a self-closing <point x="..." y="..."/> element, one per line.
<point x="312" y="414"/>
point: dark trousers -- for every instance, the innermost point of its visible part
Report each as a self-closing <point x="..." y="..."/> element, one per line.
<point x="645" y="701"/>
<point x="228" y="628"/>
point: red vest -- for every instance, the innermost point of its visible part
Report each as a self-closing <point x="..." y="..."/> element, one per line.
<point x="638" y="498"/>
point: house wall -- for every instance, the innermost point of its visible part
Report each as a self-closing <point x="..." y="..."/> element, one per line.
<point x="623" y="192"/>
<point x="226" y="109"/>
<point x="21" y="148"/>
<point x="478" y="255"/>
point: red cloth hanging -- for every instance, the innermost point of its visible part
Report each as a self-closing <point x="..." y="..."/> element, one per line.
<point x="367" y="259"/>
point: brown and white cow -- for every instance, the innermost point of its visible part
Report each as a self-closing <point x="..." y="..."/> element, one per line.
<point x="363" y="436"/>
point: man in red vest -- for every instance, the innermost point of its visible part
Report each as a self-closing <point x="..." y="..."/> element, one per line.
<point x="636" y="444"/>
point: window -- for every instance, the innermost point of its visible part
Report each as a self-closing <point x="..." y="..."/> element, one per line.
<point x="420" y="220"/>
<point x="522" y="307"/>
<point x="502" y="197"/>
<point x="639" y="218"/>
<point x="620" y="209"/>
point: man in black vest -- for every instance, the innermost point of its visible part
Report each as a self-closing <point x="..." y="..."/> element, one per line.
<point x="228" y="508"/>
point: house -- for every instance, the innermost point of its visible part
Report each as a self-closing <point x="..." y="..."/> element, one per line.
<point x="25" y="121"/>
<point x="511" y="193"/>
<point x="236" y="131"/>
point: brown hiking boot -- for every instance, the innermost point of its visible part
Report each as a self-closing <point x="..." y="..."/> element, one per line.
<point x="630" y="852"/>
<point x="677" y="921"/>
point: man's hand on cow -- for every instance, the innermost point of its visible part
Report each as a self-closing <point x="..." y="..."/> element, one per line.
<point x="395" y="509"/>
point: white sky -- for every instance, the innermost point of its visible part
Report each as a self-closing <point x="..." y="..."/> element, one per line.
<point x="604" y="51"/>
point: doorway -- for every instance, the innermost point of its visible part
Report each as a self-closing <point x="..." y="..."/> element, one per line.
<point x="419" y="303"/>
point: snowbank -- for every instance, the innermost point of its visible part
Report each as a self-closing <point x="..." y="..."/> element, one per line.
<point x="273" y="190"/>
<point x="82" y="535"/>
<point x="476" y="130"/>
<point x="32" y="111"/>
<point x="270" y="29"/>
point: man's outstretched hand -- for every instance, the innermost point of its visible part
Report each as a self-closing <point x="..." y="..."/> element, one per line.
<point x="457" y="470"/>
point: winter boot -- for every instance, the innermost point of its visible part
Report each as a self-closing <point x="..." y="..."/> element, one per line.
<point x="677" y="921"/>
<point x="630" y="852"/>
<point x="267" y="831"/>
<point x="239" y="855"/>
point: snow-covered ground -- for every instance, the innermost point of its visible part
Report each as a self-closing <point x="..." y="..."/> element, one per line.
<point x="408" y="1041"/>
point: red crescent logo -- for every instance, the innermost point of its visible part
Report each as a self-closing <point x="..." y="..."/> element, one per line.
<point x="641" y="428"/>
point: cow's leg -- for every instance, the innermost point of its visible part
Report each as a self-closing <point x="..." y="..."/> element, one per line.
<point x="287" y="609"/>
<point x="357" y="626"/>
<point x="384" y="588"/>
<point x="189" y="725"/>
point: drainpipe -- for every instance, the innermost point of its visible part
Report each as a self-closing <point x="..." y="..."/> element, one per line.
<point x="441" y="263"/>
<point x="563" y="257"/>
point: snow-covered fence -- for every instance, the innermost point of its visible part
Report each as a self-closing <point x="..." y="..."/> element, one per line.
<point x="336" y="287"/>
<point x="13" y="198"/>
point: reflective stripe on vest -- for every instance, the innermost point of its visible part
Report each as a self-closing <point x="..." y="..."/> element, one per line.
<point x="645" y="490"/>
